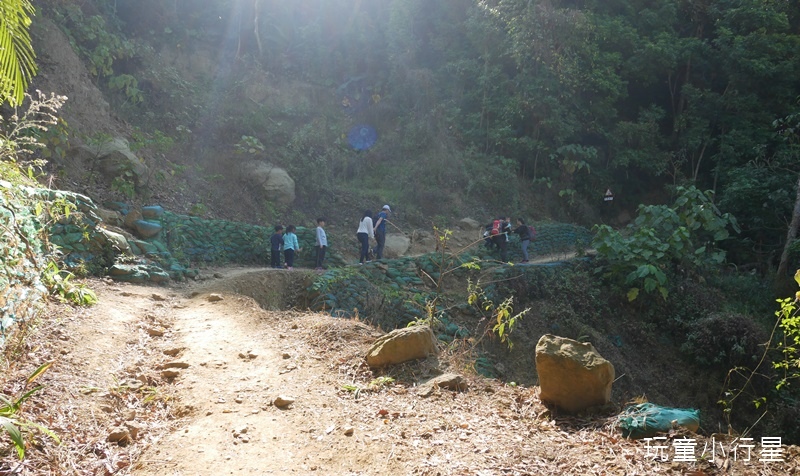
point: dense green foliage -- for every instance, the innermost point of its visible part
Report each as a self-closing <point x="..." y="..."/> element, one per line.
<point x="664" y="240"/>
<point x="487" y="97"/>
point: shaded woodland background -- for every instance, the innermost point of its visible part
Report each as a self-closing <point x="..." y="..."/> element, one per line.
<point x="507" y="105"/>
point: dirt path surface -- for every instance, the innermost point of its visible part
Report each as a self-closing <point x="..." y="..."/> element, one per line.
<point x="188" y="381"/>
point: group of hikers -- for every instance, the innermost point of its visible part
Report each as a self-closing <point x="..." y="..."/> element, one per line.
<point x="288" y="243"/>
<point x="286" y="240"/>
<point x="496" y="235"/>
<point x="376" y="229"/>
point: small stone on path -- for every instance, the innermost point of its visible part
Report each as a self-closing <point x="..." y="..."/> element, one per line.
<point x="214" y="297"/>
<point x="169" y="374"/>
<point x="175" y="365"/>
<point x="119" y="435"/>
<point x="283" y="401"/>
<point x="449" y="381"/>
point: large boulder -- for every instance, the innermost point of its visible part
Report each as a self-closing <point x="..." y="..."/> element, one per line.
<point x="110" y="217"/>
<point x="132" y="217"/>
<point x="116" y="241"/>
<point x="113" y="158"/>
<point x="469" y="224"/>
<point x="276" y="182"/>
<point x="147" y="229"/>
<point x="573" y="376"/>
<point x="402" y="345"/>
<point x="396" y="245"/>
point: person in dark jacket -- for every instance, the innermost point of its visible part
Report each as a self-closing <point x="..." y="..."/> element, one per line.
<point x="503" y="237"/>
<point x="276" y="243"/>
<point x="524" y="237"/>
<point x="380" y="230"/>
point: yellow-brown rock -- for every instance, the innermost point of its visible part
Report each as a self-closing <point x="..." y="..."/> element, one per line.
<point x="573" y="376"/>
<point x="402" y="345"/>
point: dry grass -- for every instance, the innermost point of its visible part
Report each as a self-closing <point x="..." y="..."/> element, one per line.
<point x="75" y="407"/>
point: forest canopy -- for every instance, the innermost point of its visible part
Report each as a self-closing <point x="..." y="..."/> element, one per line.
<point x="571" y="96"/>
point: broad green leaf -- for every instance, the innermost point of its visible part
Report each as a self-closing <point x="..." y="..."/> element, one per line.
<point x="664" y="292"/>
<point x="633" y="293"/>
<point x="650" y="284"/>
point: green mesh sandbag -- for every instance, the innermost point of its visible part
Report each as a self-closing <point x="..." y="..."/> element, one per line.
<point x="645" y="420"/>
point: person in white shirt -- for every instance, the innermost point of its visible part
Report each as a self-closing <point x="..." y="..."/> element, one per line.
<point x="364" y="233"/>
<point x="322" y="242"/>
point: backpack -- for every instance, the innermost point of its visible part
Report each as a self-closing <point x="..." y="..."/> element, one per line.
<point x="531" y="232"/>
<point x="495" y="228"/>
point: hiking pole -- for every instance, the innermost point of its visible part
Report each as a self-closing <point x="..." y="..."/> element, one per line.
<point x="398" y="228"/>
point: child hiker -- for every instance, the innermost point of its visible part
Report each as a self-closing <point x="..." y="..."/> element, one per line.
<point x="290" y="246"/>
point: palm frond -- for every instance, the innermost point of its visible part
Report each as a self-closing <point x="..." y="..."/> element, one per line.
<point x="17" y="58"/>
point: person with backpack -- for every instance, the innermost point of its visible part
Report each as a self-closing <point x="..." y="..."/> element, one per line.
<point x="503" y="238"/>
<point x="525" y="233"/>
<point x="492" y="233"/>
<point x="276" y="243"/>
<point x="364" y="233"/>
<point x="380" y="230"/>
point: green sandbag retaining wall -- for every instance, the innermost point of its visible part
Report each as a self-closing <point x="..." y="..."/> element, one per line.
<point x="220" y="241"/>
<point x="550" y="239"/>
<point x="392" y="293"/>
<point x="21" y="257"/>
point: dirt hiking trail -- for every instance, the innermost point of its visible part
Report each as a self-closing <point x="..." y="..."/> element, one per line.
<point x="201" y="379"/>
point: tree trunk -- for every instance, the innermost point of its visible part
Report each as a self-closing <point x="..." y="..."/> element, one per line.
<point x="256" y="11"/>
<point x="790" y="237"/>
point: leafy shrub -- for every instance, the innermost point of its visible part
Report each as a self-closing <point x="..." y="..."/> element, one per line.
<point x="683" y="236"/>
<point x="93" y="39"/>
<point x="724" y="340"/>
<point x="690" y="303"/>
<point x="60" y="284"/>
<point x="128" y="85"/>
